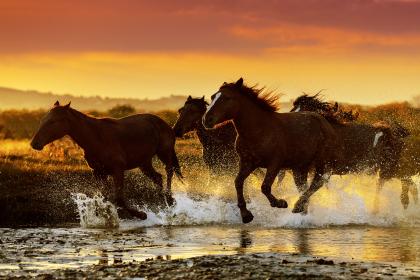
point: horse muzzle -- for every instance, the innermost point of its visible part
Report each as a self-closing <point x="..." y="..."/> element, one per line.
<point x="36" y="145"/>
<point x="209" y="122"/>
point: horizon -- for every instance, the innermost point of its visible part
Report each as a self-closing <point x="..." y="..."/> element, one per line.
<point x="142" y="49"/>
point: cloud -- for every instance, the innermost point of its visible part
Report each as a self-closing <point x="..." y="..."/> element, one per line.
<point x="208" y="26"/>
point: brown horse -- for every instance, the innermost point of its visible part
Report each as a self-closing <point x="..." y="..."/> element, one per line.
<point x="273" y="140"/>
<point x="112" y="146"/>
<point x="374" y="147"/>
<point x="218" y="144"/>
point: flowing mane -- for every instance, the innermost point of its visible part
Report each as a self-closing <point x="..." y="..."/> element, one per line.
<point x="330" y="111"/>
<point x="267" y="100"/>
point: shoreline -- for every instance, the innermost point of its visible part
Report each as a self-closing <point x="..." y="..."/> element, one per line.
<point x="240" y="266"/>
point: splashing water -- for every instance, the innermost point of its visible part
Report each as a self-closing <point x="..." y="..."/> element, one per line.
<point x="346" y="200"/>
<point x="95" y="212"/>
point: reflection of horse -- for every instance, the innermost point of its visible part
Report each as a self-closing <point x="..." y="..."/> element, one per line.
<point x="114" y="145"/>
<point x="273" y="140"/>
<point x="375" y="147"/>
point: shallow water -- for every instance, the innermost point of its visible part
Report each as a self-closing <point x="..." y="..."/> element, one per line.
<point x="340" y="224"/>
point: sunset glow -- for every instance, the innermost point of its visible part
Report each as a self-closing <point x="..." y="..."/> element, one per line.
<point x="360" y="51"/>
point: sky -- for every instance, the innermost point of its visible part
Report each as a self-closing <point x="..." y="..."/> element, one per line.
<point x="359" y="51"/>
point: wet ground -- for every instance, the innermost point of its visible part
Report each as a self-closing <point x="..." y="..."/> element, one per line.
<point x="36" y="251"/>
<point x="202" y="236"/>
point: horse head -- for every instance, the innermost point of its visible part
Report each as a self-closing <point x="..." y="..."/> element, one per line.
<point x="54" y="125"/>
<point x="190" y="115"/>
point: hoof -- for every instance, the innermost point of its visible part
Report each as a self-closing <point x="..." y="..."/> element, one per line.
<point x="279" y="203"/>
<point x="139" y="214"/>
<point x="170" y="201"/>
<point x="300" y="206"/>
<point x="247" y="216"/>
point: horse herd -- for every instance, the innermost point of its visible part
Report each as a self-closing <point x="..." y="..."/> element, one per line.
<point x="240" y="127"/>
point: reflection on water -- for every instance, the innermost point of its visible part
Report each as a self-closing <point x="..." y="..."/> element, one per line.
<point x="40" y="249"/>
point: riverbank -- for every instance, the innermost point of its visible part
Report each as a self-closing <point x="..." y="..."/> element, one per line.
<point x="241" y="266"/>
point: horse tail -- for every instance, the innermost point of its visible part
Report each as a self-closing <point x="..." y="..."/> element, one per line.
<point x="176" y="167"/>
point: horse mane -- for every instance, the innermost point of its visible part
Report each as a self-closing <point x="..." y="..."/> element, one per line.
<point x="265" y="99"/>
<point x="329" y="111"/>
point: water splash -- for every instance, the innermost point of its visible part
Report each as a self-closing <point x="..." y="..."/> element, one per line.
<point x="95" y="212"/>
<point x="346" y="200"/>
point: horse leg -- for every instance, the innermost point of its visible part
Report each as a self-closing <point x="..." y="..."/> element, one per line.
<point x="405" y="200"/>
<point x="101" y="176"/>
<point x="280" y="177"/>
<point x="168" y="160"/>
<point x="118" y="177"/>
<point x="414" y="192"/>
<point x="379" y="186"/>
<point x="301" y="179"/>
<point x="302" y="203"/>
<point x="270" y="176"/>
<point x="152" y="174"/>
<point x="244" y="171"/>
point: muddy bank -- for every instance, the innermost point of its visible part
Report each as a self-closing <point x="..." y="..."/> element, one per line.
<point x="29" y="198"/>
<point x="242" y="266"/>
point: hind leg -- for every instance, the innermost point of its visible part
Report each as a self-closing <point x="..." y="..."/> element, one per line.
<point x="300" y="177"/>
<point x="270" y="176"/>
<point x="302" y="203"/>
<point x="118" y="176"/>
<point x="168" y="159"/>
<point x="152" y="174"/>
<point x="408" y="186"/>
<point x="379" y="187"/>
<point x="280" y="177"/>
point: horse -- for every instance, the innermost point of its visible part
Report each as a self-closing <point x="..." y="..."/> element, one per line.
<point x="219" y="153"/>
<point x="112" y="146"/>
<point x="271" y="140"/>
<point x="376" y="147"/>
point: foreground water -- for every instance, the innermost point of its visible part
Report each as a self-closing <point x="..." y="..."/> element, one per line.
<point x="341" y="224"/>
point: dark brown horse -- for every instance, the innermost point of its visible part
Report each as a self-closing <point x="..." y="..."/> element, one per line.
<point x="273" y="140"/>
<point x="374" y="147"/>
<point x="219" y="153"/>
<point x="112" y="146"/>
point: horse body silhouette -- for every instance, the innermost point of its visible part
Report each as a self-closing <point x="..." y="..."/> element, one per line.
<point x="274" y="141"/>
<point x="219" y="153"/>
<point x="376" y="147"/>
<point x="112" y="146"/>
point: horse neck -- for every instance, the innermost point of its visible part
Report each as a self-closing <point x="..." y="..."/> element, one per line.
<point x="202" y="134"/>
<point x="82" y="130"/>
<point x="252" y="120"/>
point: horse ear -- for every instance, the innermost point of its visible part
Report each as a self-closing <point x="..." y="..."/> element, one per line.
<point x="68" y="105"/>
<point x="336" y="107"/>
<point x="189" y="97"/>
<point x="239" y="82"/>
<point x="56" y="103"/>
<point x="202" y="98"/>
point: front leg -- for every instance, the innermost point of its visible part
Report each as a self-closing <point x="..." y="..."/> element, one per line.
<point x="118" y="176"/>
<point x="245" y="169"/>
<point x="270" y="176"/>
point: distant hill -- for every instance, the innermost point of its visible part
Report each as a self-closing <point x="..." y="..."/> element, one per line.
<point x="20" y="99"/>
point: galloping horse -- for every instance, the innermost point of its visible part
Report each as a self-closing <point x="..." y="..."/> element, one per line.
<point x="273" y="140"/>
<point x="112" y="146"/>
<point x="377" y="147"/>
<point x="219" y="152"/>
<point x="218" y="144"/>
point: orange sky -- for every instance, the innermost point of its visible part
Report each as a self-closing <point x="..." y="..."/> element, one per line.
<point x="364" y="51"/>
